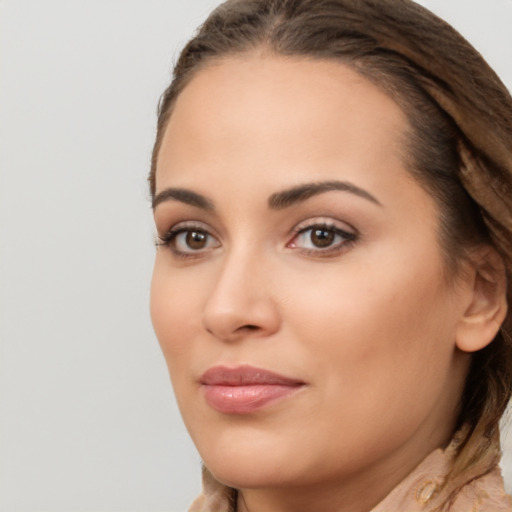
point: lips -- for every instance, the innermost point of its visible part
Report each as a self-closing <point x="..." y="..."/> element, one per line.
<point x="245" y="389"/>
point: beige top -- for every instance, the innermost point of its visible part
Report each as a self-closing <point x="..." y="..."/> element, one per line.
<point x="479" y="489"/>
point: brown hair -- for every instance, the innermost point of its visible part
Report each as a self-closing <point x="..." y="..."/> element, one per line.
<point x="459" y="145"/>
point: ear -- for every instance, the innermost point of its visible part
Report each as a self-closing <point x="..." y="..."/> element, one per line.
<point x="487" y="304"/>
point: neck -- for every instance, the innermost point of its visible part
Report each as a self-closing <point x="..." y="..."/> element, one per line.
<point x="361" y="491"/>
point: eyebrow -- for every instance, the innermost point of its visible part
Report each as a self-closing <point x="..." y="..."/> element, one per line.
<point x="183" y="196"/>
<point x="292" y="196"/>
<point x="277" y="201"/>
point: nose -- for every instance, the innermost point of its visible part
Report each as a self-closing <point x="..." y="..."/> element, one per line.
<point x="241" y="304"/>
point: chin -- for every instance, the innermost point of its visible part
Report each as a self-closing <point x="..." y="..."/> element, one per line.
<point x="243" y="476"/>
<point x="247" y="463"/>
<point x="245" y="473"/>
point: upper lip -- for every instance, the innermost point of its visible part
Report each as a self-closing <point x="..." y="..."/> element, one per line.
<point x="245" y="376"/>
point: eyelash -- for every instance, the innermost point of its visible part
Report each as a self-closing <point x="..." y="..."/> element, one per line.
<point x="169" y="240"/>
<point x="348" y="239"/>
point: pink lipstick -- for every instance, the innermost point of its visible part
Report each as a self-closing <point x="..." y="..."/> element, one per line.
<point x="245" y="389"/>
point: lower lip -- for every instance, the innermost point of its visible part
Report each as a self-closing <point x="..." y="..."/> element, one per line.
<point x="246" y="399"/>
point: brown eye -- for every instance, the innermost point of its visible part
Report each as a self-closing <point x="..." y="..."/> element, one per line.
<point x="196" y="240"/>
<point x="189" y="242"/>
<point x="323" y="240"/>
<point x="322" y="237"/>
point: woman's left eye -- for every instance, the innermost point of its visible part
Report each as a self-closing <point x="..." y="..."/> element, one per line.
<point x="322" y="239"/>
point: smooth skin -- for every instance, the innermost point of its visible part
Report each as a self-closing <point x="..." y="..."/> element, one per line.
<point x="343" y="287"/>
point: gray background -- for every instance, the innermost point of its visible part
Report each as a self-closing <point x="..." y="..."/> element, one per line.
<point x="88" y="420"/>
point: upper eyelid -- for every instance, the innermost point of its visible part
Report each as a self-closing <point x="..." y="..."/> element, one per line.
<point x="349" y="235"/>
<point x="328" y="222"/>
<point x="190" y="225"/>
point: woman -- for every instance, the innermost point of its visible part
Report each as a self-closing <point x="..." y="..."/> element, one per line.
<point x="331" y="186"/>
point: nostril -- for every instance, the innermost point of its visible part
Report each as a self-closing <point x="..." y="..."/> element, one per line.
<point x="250" y="327"/>
<point x="232" y="321"/>
<point x="246" y="329"/>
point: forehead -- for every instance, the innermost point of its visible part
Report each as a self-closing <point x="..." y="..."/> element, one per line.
<point x="283" y="112"/>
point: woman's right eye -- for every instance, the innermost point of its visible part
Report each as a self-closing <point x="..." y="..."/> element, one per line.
<point x="186" y="242"/>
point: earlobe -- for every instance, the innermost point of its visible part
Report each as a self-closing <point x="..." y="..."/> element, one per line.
<point x="487" y="307"/>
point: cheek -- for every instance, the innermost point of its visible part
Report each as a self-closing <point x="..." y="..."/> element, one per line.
<point x="373" y="322"/>
<point x="173" y="307"/>
<point x="378" y="345"/>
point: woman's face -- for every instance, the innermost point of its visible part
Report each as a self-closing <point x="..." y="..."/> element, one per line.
<point x="298" y="294"/>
